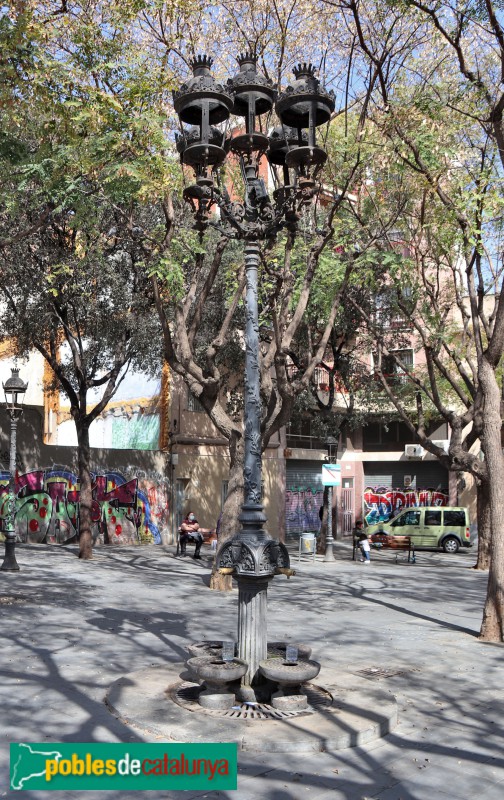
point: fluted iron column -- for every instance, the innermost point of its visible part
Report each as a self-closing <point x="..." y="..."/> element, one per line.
<point x="252" y="631"/>
<point x="252" y="555"/>
<point x="252" y="509"/>
<point x="252" y="591"/>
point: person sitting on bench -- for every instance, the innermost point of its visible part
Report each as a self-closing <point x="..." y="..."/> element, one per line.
<point x="361" y="541"/>
<point x="190" y="532"/>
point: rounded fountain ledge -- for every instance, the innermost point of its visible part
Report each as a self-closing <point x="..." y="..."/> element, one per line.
<point x="214" y="648"/>
<point x="289" y="676"/>
<point x="164" y="707"/>
<point x="217" y="675"/>
<point x="280" y="649"/>
<point x="216" y="671"/>
<point x="188" y="696"/>
<point x="277" y="670"/>
<point x="210" y="648"/>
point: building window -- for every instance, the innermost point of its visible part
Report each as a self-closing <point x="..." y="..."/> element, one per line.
<point x="300" y="434"/>
<point x="387" y="310"/>
<point x="406" y="359"/>
<point x="394" y="372"/>
<point x="193" y="404"/>
<point x="392" y="435"/>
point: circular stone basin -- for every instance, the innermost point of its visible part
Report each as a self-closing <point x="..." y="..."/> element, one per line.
<point x="216" y="671"/>
<point x="275" y="669"/>
<point x="200" y="649"/>
<point x="276" y="649"/>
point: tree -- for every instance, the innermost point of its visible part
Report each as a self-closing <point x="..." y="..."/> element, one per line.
<point x="474" y="36"/>
<point x="84" y="305"/>
<point x="98" y="75"/>
<point x="434" y="60"/>
<point x="202" y="335"/>
<point x="293" y="270"/>
<point x="75" y="167"/>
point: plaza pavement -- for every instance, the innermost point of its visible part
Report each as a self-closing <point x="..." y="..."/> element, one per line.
<point x="69" y="629"/>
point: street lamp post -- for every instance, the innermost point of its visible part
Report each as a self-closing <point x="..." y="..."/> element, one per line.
<point x="329" y="551"/>
<point x="14" y="390"/>
<point x="295" y="160"/>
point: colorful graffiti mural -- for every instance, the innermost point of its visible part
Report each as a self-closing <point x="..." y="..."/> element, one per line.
<point x="124" y="511"/>
<point x="381" y="502"/>
<point x="302" y="510"/>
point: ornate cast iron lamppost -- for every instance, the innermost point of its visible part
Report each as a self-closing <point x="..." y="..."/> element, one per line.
<point x="329" y="443"/>
<point x="14" y="390"/>
<point x="295" y="159"/>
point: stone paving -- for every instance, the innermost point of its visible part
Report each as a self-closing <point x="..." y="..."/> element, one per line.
<point x="69" y="629"/>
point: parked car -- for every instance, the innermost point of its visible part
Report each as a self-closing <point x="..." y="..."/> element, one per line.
<point x="442" y="527"/>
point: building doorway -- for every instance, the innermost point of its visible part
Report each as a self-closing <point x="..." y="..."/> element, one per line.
<point x="347" y="505"/>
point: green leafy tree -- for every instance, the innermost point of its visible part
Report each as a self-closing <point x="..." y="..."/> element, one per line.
<point x="77" y="162"/>
<point x="438" y="102"/>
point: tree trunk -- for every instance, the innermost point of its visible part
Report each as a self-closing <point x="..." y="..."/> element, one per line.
<point x="84" y="458"/>
<point x="484" y="526"/>
<point x="230" y="524"/>
<point x="492" y="627"/>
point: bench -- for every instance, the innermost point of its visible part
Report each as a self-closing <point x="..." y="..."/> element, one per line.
<point x="384" y="542"/>
<point x="209" y="538"/>
<point x="381" y="541"/>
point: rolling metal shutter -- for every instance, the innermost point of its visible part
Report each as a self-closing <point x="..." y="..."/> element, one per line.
<point x="303" y="498"/>
<point x="385" y="492"/>
<point x="424" y="474"/>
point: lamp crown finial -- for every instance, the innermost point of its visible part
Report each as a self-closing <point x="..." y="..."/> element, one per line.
<point x="247" y="57"/>
<point x="200" y="61"/>
<point x="304" y="69"/>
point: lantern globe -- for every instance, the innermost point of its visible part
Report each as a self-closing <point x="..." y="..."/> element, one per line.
<point x="305" y="98"/>
<point x="14" y="389"/>
<point x="202" y="96"/>
<point x="251" y="87"/>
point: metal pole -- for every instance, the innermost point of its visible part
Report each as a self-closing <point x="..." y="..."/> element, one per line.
<point x="252" y="507"/>
<point x="9" y="563"/>
<point x="252" y="590"/>
<point x="329" y="554"/>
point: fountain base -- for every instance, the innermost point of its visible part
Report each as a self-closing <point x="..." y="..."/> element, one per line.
<point x="337" y="716"/>
<point x="289" y="702"/>
<point x="216" y="699"/>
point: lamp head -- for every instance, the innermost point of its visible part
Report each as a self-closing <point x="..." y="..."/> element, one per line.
<point x="14" y="390"/>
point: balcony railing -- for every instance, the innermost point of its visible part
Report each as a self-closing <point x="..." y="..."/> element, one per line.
<point x="393" y="378"/>
<point x="320" y="378"/>
<point x="304" y="442"/>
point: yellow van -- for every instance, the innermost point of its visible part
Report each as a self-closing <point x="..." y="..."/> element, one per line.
<point x="441" y="527"/>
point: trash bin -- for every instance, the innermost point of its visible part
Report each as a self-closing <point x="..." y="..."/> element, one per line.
<point x="307" y="545"/>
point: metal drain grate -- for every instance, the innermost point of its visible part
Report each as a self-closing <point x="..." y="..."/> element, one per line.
<point x="375" y="673"/>
<point x="186" y="695"/>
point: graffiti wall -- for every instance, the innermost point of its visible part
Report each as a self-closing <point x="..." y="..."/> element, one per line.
<point x="381" y="503"/>
<point x="124" y="510"/>
<point x="302" y="510"/>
